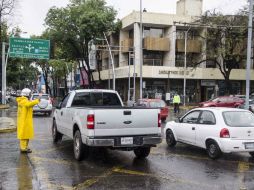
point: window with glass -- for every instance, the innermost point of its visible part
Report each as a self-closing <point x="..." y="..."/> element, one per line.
<point x="65" y="100"/>
<point x="81" y="99"/>
<point x="153" y="58"/>
<point x="191" y="117"/>
<point x="207" y="117"/>
<point x="238" y="118"/>
<point x="153" y="32"/>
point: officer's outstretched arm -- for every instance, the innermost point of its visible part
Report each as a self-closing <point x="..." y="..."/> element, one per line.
<point x="31" y="103"/>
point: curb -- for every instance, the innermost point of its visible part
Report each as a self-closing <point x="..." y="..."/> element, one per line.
<point x="2" y="106"/>
<point x="8" y="130"/>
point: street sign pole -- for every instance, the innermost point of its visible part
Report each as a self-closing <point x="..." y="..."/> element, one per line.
<point x="3" y="75"/>
<point x="249" y="55"/>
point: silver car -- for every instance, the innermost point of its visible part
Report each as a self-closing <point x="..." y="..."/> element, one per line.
<point x="45" y="105"/>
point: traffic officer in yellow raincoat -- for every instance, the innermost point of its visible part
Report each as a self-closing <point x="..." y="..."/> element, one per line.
<point x="25" y="119"/>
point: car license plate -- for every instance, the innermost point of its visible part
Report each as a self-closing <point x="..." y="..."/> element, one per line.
<point x="249" y="145"/>
<point x="126" y="140"/>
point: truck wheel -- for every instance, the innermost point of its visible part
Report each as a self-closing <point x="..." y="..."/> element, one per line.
<point x="142" y="152"/>
<point x="80" y="150"/>
<point x="170" y="139"/>
<point x="213" y="149"/>
<point x="252" y="154"/>
<point x="55" y="134"/>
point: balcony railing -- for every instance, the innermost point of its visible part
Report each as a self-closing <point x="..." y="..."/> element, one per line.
<point x="156" y="44"/>
<point x="193" y="46"/>
<point x="126" y="45"/>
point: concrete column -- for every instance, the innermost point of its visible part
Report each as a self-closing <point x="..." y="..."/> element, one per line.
<point x="203" y="48"/>
<point x="172" y="51"/>
<point x="169" y="56"/>
<point x="123" y="57"/>
<point x="137" y="45"/>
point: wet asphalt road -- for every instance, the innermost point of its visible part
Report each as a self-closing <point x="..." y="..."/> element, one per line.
<point x="53" y="166"/>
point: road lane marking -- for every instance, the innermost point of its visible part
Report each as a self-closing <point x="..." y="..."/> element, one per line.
<point x="131" y="172"/>
<point x="243" y="167"/>
<point x="92" y="181"/>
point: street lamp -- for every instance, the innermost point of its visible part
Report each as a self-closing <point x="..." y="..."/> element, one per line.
<point x="112" y="60"/>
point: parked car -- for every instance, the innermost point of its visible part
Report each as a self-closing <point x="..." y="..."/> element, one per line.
<point x="223" y="101"/>
<point x="251" y="106"/>
<point x="98" y="118"/>
<point x="45" y="105"/>
<point x="155" y="103"/>
<point x="218" y="130"/>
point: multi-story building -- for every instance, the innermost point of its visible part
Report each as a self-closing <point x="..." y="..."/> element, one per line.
<point x="163" y="68"/>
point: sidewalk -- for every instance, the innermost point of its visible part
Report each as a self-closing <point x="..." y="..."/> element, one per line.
<point x="4" y="106"/>
<point x="7" y="124"/>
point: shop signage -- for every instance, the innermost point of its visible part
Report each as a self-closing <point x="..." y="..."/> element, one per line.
<point x="166" y="72"/>
<point x="208" y="83"/>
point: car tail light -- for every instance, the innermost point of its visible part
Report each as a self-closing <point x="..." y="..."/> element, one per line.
<point x="90" y="121"/>
<point x="159" y="120"/>
<point x="224" y="133"/>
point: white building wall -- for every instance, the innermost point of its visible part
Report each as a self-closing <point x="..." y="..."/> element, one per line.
<point x="189" y="7"/>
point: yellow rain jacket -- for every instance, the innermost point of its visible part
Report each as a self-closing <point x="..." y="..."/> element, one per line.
<point x="25" y="118"/>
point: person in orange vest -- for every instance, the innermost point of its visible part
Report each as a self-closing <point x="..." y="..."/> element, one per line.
<point x="25" y="130"/>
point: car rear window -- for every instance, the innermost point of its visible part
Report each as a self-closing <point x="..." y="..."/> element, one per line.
<point x="45" y="97"/>
<point x="157" y="104"/>
<point x="96" y="99"/>
<point x="238" y="118"/>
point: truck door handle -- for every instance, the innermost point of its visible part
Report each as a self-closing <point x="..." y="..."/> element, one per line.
<point x="126" y="112"/>
<point x="61" y="113"/>
<point x="193" y="128"/>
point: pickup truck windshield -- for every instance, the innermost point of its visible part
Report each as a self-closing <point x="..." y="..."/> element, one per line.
<point x="83" y="99"/>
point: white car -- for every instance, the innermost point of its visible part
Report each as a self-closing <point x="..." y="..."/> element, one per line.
<point x="218" y="130"/>
<point x="45" y="105"/>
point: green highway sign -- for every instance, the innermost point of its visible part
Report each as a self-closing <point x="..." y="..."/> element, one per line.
<point x="29" y="48"/>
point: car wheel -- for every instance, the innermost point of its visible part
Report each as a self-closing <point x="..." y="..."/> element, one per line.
<point x="80" y="150"/>
<point x="252" y="154"/>
<point x="170" y="139"/>
<point x="213" y="149"/>
<point x="55" y="134"/>
<point x="142" y="152"/>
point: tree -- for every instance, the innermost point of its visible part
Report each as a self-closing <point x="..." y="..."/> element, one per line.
<point x="73" y="27"/>
<point x="226" y="42"/>
<point x="6" y="9"/>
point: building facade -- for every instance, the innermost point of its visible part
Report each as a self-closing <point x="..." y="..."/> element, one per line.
<point x="163" y="66"/>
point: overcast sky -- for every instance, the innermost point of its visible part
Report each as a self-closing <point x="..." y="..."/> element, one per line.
<point x="30" y="14"/>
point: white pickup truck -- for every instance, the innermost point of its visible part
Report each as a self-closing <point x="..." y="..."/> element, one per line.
<point x="98" y="118"/>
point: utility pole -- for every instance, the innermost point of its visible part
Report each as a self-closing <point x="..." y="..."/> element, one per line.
<point x="3" y="74"/>
<point x="141" y="52"/>
<point x="249" y="55"/>
<point x="112" y="62"/>
<point x="185" y="64"/>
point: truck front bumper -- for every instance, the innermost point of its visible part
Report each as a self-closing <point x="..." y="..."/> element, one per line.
<point x="116" y="141"/>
